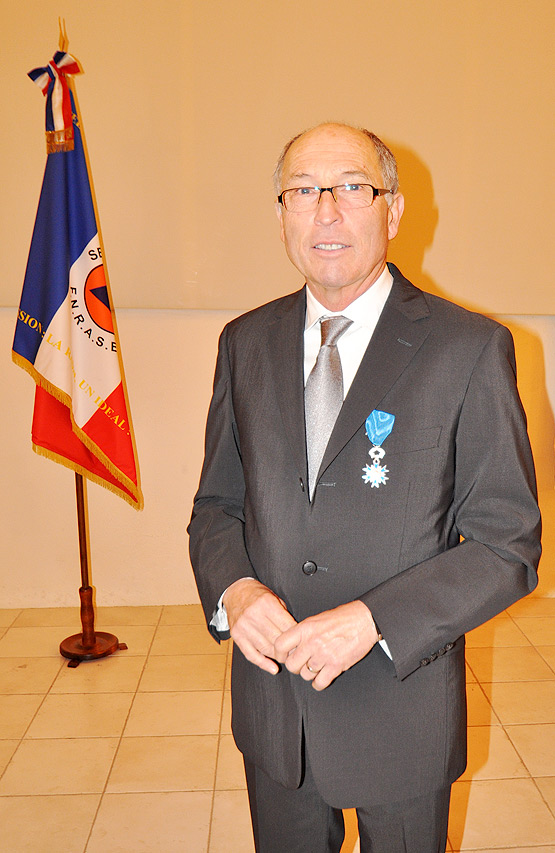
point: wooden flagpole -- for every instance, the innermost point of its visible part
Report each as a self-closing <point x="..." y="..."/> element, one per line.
<point x="90" y="644"/>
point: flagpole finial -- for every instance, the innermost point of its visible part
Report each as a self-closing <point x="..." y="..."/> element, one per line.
<point x="63" y="41"/>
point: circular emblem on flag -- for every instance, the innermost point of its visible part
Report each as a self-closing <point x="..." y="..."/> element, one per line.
<point x="96" y="299"/>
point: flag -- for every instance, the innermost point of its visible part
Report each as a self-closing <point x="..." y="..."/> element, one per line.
<point x="66" y="335"/>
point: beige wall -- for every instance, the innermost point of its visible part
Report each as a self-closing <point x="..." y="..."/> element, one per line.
<point x="185" y="107"/>
<point x="186" y="104"/>
<point x="141" y="558"/>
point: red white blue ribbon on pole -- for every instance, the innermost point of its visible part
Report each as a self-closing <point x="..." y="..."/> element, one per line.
<point x="52" y="81"/>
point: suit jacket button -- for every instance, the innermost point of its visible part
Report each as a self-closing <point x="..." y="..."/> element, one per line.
<point x="309" y="568"/>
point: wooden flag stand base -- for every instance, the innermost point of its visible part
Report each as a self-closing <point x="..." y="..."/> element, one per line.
<point x="90" y="644"/>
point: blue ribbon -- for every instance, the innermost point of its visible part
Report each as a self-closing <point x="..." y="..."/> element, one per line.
<point x="379" y="426"/>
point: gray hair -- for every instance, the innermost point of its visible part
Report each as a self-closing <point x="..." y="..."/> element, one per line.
<point x="386" y="159"/>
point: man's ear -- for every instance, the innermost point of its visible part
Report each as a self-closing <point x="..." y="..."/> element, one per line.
<point x="279" y="214"/>
<point x="394" y="215"/>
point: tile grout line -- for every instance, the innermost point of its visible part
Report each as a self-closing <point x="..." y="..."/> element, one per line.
<point x="530" y="776"/>
<point x="116" y="751"/>
<point x="41" y="703"/>
<point x="20" y="740"/>
<point x="16" y="617"/>
<point x="551" y="666"/>
<point x="533" y="777"/>
<point x="515" y="623"/>
<point x="209" y="837"/>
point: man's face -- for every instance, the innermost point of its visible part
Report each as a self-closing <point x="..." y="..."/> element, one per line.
<point x="340" y="252"/>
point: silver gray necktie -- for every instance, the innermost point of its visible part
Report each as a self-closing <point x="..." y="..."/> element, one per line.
<point x="323" y="395"/>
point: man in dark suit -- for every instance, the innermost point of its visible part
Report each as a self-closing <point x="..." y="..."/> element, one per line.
<point x="347" y="536"/>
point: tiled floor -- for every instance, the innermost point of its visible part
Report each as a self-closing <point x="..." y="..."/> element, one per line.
<point x="133" y="753"/>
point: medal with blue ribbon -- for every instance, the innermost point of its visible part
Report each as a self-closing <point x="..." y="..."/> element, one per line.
<point x="378" y="427"/>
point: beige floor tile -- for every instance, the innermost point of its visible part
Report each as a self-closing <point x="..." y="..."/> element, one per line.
<point x="138" y="638"/>
<point x="185" y="640"/>
<point x="148" y="615"/>
<point x="479" y="710"/>
<point x="504" y="664"/>
<point x="182" y="614"/>
<point x="491" y="755"/>
<point x="7" y="749"/>
<point x="182" y="763"/>
<point x="183" y="672"/>
<point x="231" y="825"/>
<point x="548" y="654"/>
<point x="533" y="606"/>
<point x="536" y="746"/>
<point x="540" y="630"/>
<point x="185" y="713"/>
<point x="522" y="702"/>
<point x="114" y="674"/>
<point x="225" y="728"/>
<point x="28" y="675"/>
<point x="546" y="785"/>
<point x="500" y="813"/>
<point x="81" y="715"/>
<point x="60" y="824"/>
<point x="152" y="823"/>
<point x="501" y="631"/>
<point x="50" y="617"/>
<point x="34" y="642"/>
<point x="59" y="766"/>
<point x="16" y="712"/>
<point x="230" y="771"/>
<point x="8" y="616"/>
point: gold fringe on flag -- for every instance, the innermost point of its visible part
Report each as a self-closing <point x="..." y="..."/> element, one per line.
<point x="59" y="140"/>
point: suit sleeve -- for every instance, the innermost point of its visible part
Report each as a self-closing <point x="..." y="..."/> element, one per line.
<point x="216" y="531"/>
<point x="427" y="607"/>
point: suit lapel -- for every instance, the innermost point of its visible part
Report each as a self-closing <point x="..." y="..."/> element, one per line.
<point x="401" y="331"/>
<point x="286" y="349"/>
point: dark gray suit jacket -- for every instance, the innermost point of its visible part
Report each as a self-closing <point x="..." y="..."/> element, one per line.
<point x="449" y="541"/>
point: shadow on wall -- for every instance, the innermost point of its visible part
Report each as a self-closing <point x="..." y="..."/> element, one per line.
<point x="408" y="251"/>
<point x="530" y="360"/>
<point x="532" y="384"/>
<point x="419" y="222"/>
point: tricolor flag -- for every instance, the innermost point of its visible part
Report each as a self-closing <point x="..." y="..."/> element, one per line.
<point x="65" y="335"/>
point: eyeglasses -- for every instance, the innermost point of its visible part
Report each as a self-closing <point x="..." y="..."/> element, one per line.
<point x="301" y="199"/>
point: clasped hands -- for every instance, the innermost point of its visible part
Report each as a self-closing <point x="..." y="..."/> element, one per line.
<point x="318" y="649"/>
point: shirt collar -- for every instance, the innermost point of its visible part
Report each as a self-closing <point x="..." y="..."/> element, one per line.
<point x="364" y="310"/>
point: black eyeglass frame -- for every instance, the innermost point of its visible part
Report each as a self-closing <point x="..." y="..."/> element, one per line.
<point x="376" y="191"/>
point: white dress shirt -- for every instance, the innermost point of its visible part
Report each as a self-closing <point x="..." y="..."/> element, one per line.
<point x="365" y="312"/>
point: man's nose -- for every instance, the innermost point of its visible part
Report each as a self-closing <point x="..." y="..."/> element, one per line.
<point x="327" y="210"/>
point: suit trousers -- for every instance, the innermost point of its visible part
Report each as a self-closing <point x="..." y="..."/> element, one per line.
<point x="299" y="821"/>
